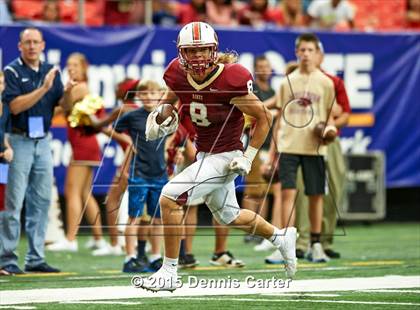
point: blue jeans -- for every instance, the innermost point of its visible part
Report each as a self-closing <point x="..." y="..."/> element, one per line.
<point x="30" y="178"/>
<point x="141" y="191"/>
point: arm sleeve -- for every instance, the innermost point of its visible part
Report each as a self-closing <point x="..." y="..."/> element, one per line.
<point x="170" y="73"/>
<point x="12" y="89"/>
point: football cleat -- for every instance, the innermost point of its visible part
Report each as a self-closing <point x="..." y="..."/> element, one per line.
<point x="288" y="250"/>
<point x="275" y="258"/>
<point x="162" y="280"/>
<point x="265" y="245"/>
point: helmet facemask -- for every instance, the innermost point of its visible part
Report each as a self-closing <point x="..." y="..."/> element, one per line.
<point x="197" y="65"/>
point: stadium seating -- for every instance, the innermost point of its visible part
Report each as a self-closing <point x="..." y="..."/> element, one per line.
<point x="379" y="14"/>
<point x="32" y="9"/>
<point x="27" y="9"/>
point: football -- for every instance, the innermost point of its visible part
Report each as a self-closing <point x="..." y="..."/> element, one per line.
<point x="325" y="133"/>
<point x="164" y="111"/>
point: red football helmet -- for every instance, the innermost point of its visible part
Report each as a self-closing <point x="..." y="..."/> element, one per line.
<point x="197" y="35"/>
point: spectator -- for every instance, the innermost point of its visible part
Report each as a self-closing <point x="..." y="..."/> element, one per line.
<point x="257" y="13"/>
<point x="336" y="171"/>
<point x="123" y="12"/>
<point x="125" y="92"/>
<point x="164" y="13"/>
<point x="413" y="14"/>
<point x="221" y="12"/>
<point x="5" y="16"/>
<point x="292" y="13"/>
<point x="33" y="89"/>
<point x="51" y="12"/>
<point x="299" y="92"/>
<point x="257" y="189"/>
<point x="146" y="180"/>
<point x="330" y="14"/>
<point x="192" y="12"/>
<point x="79" y="177"/>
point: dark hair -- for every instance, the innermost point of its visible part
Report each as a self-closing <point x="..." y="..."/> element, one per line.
<point x="307" y="37"/>
<point x="258" y="58"/>
<point x="30" y="28"/>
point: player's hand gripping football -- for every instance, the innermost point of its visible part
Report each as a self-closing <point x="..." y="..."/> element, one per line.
<point x="242" y="164"/>
<point x="155" y="131"/>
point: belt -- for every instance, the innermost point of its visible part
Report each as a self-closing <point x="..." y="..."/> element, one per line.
<point x="23" y="133"/>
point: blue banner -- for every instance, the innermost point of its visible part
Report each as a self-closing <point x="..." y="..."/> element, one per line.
<point x="381" y="72"/>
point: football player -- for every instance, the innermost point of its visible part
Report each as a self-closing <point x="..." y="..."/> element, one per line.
<point x="215" y="95"/>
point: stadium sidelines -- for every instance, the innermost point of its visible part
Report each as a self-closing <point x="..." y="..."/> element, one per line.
<point x="69" y="295"/>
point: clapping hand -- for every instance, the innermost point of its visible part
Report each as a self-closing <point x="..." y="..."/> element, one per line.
<point x="49" y="78"/>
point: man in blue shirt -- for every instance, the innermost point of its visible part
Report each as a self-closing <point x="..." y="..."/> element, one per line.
<point x="33" y="90"/>
<point x="147" y="177"/>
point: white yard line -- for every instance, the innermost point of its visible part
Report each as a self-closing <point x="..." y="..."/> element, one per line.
<point x="17" y="307"/>
<point x="302" y="294"/>
<point x="306" y="300"/>
<point x="124" y="292"/>
<point x="103" y="302"/>
<point x="281" y="271"/>
<point x="392" y="291"/>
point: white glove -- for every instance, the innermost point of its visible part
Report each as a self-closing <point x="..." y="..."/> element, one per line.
<point x="155" y="131"/>
<point x="242" y="164"/>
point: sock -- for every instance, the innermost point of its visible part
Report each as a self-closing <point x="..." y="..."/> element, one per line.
<point x="182" y="248"/>
<point x="153" y="257"/>
<point x="170" y="264"/>
<point x="141" y="248"/>
<point x="277" y="236"/>
<point x="315" y="238"/>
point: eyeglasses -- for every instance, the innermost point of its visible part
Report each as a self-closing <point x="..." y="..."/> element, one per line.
<point x="29" y="42"/>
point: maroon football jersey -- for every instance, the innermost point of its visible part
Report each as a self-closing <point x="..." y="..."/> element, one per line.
<point x="217" y="122"/>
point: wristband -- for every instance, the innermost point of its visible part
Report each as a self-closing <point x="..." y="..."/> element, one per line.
<point x="250" y="152"/>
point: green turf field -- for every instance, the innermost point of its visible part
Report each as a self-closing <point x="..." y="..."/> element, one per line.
<point x="367" y="251"/>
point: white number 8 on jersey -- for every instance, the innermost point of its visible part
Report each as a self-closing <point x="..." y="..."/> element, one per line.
<point x="198" y="112"/>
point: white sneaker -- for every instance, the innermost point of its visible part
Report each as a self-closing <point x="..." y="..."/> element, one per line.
<point x="162" y="280"/>
<point x="265" y="245"/>
<point x="316" y="254"/>
<point x="108" y="250"/>
<point x="275" y="258"/>
<point x="90" y="244"/>
<point x="93" y="244"/>
<point x="63" y="245"/>
<point x="288" y="250"/>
